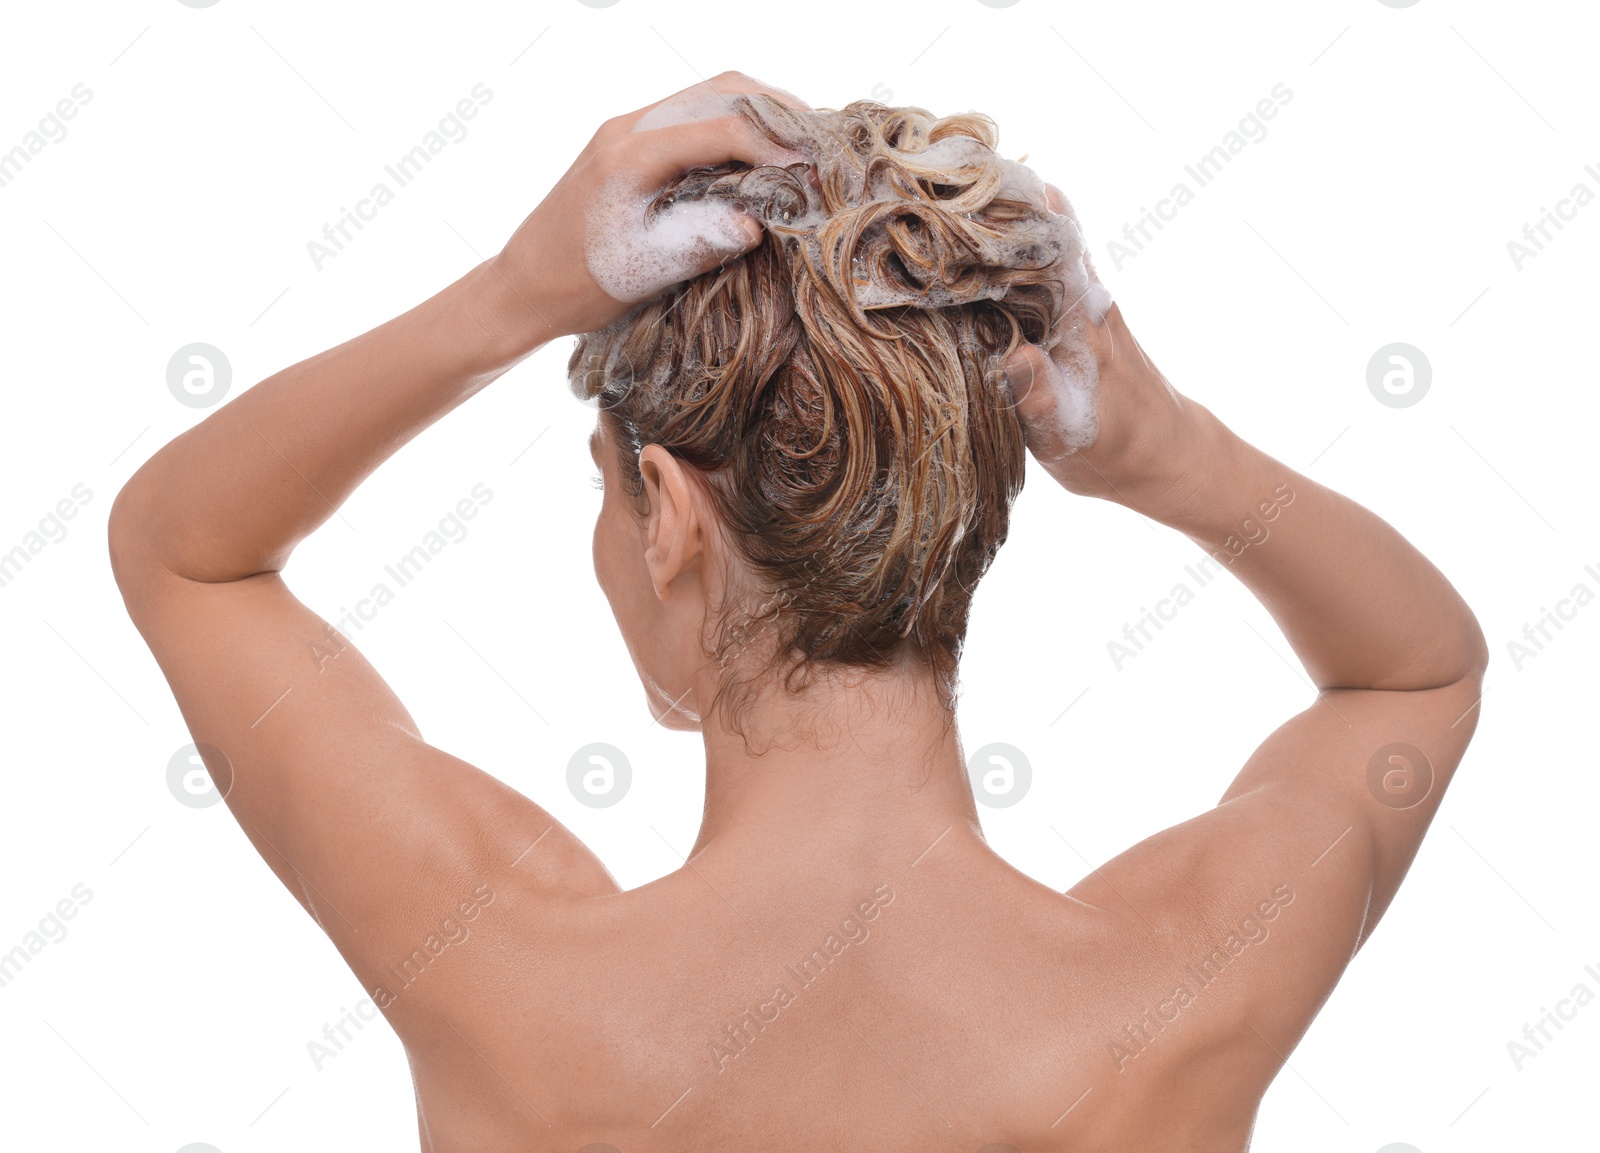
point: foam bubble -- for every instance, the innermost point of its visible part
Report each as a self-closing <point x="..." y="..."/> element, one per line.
<point x="1017" y="180"/>
<point x="634" y="255"/>
<point x="1075" y="373"/>
<point x="1098" y="300"/>
<point x="1074" y="379"/>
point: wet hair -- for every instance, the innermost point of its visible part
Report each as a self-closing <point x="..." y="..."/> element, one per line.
<point x="838" y="387"/>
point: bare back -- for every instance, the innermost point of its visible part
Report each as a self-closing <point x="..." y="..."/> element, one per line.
<point x="893" y="987"/>
<point x="929" y="1001"/>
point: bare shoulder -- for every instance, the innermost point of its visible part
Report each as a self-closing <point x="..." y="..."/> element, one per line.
<point x="1232" y="929"/>
<point x="389" y="842"/>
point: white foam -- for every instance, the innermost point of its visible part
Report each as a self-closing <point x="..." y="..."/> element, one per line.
<point x="1074" y="379"/>
<point x="1017" y="180"/>
<point x="876" y="293"/>
<point x="1098" y="300"/>
<point x="633" y="258"/>
<point x="1074" y="372"/>
<point x="1056" y="231"/>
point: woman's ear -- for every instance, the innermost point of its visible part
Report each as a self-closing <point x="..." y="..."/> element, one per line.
<point x="673" y="529"/>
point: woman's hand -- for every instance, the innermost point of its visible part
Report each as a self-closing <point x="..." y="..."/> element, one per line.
<point x="585" y="257"/>
<point x="1128" y="437"/>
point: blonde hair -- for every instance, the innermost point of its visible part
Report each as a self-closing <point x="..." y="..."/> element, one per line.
<point x="838" y="387"/>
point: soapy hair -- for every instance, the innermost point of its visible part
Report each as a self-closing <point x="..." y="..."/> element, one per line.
<point x="838" y="387"/>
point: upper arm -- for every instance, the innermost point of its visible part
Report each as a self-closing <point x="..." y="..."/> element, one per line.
<point x="382" y="837"/>
<point x="1254" y="908"/>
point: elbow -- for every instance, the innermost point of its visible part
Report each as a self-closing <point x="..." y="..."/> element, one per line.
<point x="1452" y="655"/>
<point x="1476" y="650"/>
<point x="1481" y="658"/>
<point x="122" y="529"/>
<point x="1466" y="691"/>
<point x="128" y="539"/>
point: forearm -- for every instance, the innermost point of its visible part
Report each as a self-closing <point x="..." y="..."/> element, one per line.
<point x="232" y="496"/>
<point x="1361" y="607"/>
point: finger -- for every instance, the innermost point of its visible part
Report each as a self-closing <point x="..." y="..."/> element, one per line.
<point x="1057" y="200"/>
<point x="671" y="151"/>
<point x="1030" y="378"/>
<point x="700" y="92"/>
<point x="732" y="234"/>
<point x="724" y="85"/>
<point x="722" y="245"/>
<point x="707" y="100"/>
<point x="737" y="82"/>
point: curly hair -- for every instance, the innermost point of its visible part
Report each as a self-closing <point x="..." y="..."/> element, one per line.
<point x="838" y="387"/>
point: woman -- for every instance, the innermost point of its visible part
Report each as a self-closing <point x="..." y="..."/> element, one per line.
<point x="809" y="454"/>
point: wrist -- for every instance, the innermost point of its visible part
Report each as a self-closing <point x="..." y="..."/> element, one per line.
<point x="514" y="319"/>
<point x="1155" y="450"/>
<point x="1221" y="491"/>
<point x="1191" y="476"/>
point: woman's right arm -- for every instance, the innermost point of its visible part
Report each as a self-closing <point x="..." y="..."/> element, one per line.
<point x="1361" y="607"/>
<point x="1332" y="807"/>
<point x="1363" y="610"/>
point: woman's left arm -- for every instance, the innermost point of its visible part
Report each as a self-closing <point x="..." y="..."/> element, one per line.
<point x="377" y="833"/>
<point x="232" y="496"/>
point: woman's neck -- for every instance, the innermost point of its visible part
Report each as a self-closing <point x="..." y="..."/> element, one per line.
<point x="866" y="769"/>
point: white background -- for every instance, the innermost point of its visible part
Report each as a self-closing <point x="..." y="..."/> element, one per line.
<point x="1378" y="208"/>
